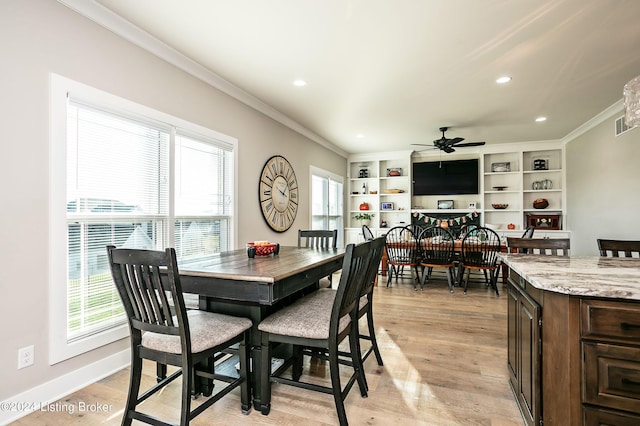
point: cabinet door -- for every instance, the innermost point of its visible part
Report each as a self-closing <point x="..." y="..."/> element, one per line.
<point x="529" y="358"/>
<point x="512" y="336"/>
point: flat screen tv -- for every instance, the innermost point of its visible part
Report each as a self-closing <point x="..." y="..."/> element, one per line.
<point x="445" y="177"/>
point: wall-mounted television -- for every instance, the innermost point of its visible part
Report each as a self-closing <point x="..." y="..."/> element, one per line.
<point x="445" y="177"/>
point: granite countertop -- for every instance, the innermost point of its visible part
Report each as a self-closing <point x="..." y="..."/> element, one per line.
<point x="595" y="276"/>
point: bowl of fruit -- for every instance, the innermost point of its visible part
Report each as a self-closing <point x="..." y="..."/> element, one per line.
<point x="499" y="206"/>
<point x="262" y="248"/>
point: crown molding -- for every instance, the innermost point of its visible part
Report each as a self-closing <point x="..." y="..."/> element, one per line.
<point x="125" y="29"/>
<point x="608" y="113"/>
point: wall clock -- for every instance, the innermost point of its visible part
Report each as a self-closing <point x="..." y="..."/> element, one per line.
<point x="278" y="192"/>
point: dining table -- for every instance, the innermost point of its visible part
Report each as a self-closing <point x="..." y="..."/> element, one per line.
<point x="233" y="283"/>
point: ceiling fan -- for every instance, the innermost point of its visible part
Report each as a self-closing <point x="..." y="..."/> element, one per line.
<point x="447" y="145"/>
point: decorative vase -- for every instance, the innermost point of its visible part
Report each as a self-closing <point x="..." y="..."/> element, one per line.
<point x="365" y="222"/>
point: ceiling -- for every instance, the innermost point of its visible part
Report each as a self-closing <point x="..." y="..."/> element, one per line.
<point x="396" y="71"/>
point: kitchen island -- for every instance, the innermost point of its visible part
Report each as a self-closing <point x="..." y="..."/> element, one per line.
<point x="574" y="339"/>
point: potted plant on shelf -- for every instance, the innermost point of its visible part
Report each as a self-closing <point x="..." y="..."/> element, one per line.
<point x="364" y="218"/>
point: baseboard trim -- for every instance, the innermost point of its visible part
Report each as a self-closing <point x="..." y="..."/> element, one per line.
<point x="33" y="399"/>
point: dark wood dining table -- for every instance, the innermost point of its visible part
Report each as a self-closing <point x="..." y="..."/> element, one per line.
<point x="232" y="283"/>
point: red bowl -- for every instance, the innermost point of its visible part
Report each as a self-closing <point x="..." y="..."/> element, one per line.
<point x="263" y="250"/>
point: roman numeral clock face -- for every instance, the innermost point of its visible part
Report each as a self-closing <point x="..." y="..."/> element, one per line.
<point x="278" y="193"/>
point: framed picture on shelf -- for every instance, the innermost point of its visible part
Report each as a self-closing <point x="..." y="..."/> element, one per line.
<point x="504" y="166"/>
<point x="386" y="206"/>
<point x="445" y="204"/>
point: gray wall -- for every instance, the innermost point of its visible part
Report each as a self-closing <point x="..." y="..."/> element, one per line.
<point x="40" y="37"/>
<point x="603" y="179"/>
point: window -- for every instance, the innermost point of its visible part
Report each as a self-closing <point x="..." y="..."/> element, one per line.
<point x="132" y="177"/>
<point x="326" y="201"/>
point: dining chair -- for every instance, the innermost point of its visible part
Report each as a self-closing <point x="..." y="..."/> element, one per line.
<point x="479" y="251"/>
<point x="437" y="248"/>
<point x="319" y="238"/>
<point x="402" y="251"/>
<point x="365" y="304"/>
<point x="528" y="232"/>
<point x="321" y="320"/>
<point x="190" y="339"/>
<point x="617" y="247"/>
<point x="367" y="233"/>
<point x="550" y="246"/>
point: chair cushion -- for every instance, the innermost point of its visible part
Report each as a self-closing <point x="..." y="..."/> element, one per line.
<point x="308" y="317"/>
<point x="208" y="329"/>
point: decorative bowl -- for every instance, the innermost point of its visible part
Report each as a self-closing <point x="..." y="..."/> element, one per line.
<point x="540" y="203"/>
<point x="261" y="248"/>
<point x="500" y="188"/>
<point x="499" y="206"/>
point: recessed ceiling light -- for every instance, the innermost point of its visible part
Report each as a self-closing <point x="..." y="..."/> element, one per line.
<point x="503" y="80"/>
<point x="299" y="83"/>
<point x="541" y="119"/>
<point x="359" y="136"/>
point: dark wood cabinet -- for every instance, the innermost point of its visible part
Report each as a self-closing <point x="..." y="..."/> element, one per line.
<point x="524" y="352"/>
<point x="610" y="334"/>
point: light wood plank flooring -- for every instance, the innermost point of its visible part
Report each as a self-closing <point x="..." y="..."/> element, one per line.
<point x="444" y="364"/>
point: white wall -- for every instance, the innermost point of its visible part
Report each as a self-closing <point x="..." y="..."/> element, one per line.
<point x="40" y="37"/>
<point x="603" y="186"/>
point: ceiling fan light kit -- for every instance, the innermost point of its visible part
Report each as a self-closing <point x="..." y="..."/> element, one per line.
<point x="447" y="145"/>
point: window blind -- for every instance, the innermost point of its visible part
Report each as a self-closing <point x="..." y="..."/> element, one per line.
<point x="117" y="193"/>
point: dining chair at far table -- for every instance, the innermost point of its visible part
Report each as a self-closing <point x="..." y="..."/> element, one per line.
<point x="321" y="321"/>
<point x="619" y="248"/>
<point x="319" y="238"/>
<point x="367" y="233"/>
<point x="548" y="246"/>
<point x="437" y="248"/>
<point x="402" y="251"/>
<point x="528" y="232"/>
<point x="192" y="340"/>
<point x="479" y="251"/>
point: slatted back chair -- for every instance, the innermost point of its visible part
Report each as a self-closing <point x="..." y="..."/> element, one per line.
<point x="321" y="320"/>
<point x="437" y="248"/>
<point x="548" y="246"/>
<point x="479" y="251"/>
<point x="317" y="238"/>
<point x="148" y="283"/>
<point x="615" y="248"/>
<point x="365" y="306"/>
<point x="402" y="251"/>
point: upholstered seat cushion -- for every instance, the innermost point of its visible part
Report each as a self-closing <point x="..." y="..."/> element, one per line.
<point x="207" y="329"/>
<point x="308" y="317"/>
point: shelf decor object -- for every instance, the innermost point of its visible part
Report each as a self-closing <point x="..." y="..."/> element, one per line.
<point x="394" y="171"/>
<point x="632" y="102"/>
<point x="386" y="206"/>
<point x="504" y="166"/>
<point x="445" y="204"/>
<point x="499" y="206"/>
<point x="540" y="203"/>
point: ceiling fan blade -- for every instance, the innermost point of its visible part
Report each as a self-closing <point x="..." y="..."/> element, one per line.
<point x="470" y="144"/>
<point x="454" y="141"/>
<point x="448" y="149"/>
<point x="421" y="144"/>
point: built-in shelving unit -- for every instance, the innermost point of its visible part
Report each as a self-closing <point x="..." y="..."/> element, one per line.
<point x="388" y="197"/>
<point x="507" y="176"/>
<point x="510" y="176"/>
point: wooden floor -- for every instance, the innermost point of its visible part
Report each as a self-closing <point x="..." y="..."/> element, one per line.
<point x="444" y="364"/>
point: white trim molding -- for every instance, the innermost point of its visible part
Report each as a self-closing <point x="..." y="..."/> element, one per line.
<point x="41" y="396"/>
<point x="125" y="29"/>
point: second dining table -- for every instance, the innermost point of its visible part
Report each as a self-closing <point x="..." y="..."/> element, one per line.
<point x="234" y="284"/>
